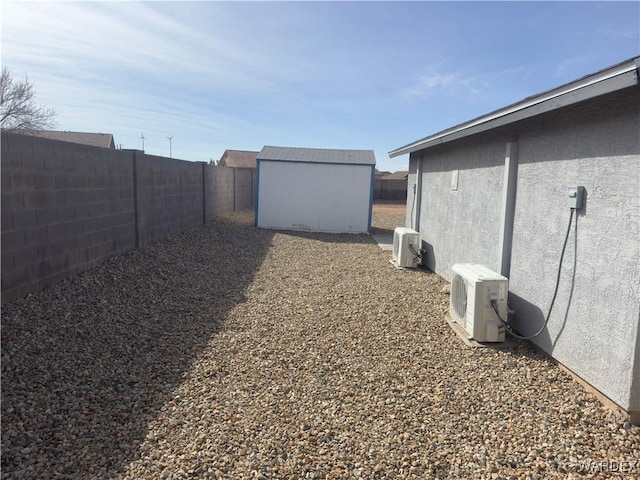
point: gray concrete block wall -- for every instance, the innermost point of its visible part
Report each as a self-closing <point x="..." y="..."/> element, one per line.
<point x="390" y="189"/>
<point x="65" y="207"/>
<point x="219" y="191"/>
<point x="243" y="188"/>
<point x="169" y="196"/>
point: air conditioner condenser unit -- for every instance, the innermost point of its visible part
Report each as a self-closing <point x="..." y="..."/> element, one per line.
<point x="473" y="288"/>
<point x="406" y="247"/>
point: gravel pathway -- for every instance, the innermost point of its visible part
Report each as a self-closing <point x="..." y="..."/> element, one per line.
<point x="231" y="352"/>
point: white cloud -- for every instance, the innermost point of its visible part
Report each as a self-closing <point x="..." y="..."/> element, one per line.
<point x="222" y="75"/>
<point x="159" y="68"/>
<point x="459" y="83"/>
<point x="605" y="32"/>
<point x="99" y="41"/>
<point x="567" y="67"/>
<point x="432" y="84"/>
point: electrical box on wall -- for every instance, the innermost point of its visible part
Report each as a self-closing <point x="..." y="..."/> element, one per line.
<point x="454" y="181"/>
<point x="576" y="197"/>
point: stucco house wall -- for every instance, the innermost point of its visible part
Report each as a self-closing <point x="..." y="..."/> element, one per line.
<point x="594" y="324"/>
<point x="456" y="217"/>
<point x="594" y="327"/>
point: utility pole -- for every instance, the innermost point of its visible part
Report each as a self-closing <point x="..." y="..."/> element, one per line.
<point x="170" y="156"/>
<point x="143" y="139"/>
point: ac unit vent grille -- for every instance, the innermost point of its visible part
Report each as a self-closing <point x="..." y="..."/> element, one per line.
<point x="396" y="246"/>
<point x="459" y="297"/>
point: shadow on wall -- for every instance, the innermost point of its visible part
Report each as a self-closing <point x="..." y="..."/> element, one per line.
<point x="529" y="317"/>
<point x="89" y="362"/>
<point x="428" y="258"/>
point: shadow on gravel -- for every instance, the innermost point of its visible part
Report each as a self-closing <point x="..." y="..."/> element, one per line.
<point x="87" y="363"/>
<point x="382" y="231"/>
<point x="362" y="238"/>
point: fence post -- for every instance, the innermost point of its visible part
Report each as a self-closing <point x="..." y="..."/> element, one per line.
<point x="136" y="198"/>
<point x="204" y="193"/>
<point x="253" y="187"/>
<point x="234" y="189"/>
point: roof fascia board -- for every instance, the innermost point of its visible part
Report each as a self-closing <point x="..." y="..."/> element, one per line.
<point x="624" y="76"/>
<point x="315" y="162"/>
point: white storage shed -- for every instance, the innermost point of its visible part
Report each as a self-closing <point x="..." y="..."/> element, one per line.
<point x="315" y="189"/>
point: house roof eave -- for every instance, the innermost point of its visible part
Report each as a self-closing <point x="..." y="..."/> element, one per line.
<point x="609" y="80"/>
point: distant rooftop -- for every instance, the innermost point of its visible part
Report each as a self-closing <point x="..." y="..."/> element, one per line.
<point x="400" y="175"/>
<point x="238" y="159"/>
<point x="104" y="140"/>
<point x="317" y="155"/>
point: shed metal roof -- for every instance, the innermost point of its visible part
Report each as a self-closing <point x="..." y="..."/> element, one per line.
<point x="317" y="155"/>
<point x="616" y="77"/>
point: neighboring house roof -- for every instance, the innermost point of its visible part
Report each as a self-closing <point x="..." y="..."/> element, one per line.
<point x="616" y="77"/>
<point x="400" y="175"/>
<point x="379" y="174"/>
<point x="317" y="155"/>
<point x="238" y="159"/>
<point x="104" y="140"/>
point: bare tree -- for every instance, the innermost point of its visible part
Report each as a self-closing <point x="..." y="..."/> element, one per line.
<point x="18" y="108"/>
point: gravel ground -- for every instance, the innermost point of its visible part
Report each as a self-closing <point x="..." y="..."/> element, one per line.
<point x="231" y="352"/>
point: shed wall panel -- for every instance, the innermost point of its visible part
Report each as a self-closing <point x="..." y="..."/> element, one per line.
<point x="314" y="197"/>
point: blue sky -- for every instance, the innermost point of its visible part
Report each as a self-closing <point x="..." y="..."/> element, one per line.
<point x="372" y="75"/>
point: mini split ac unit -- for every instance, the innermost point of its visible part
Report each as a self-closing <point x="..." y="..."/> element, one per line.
<point x="473" y="287"/>
<point x="405" y="247"/>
